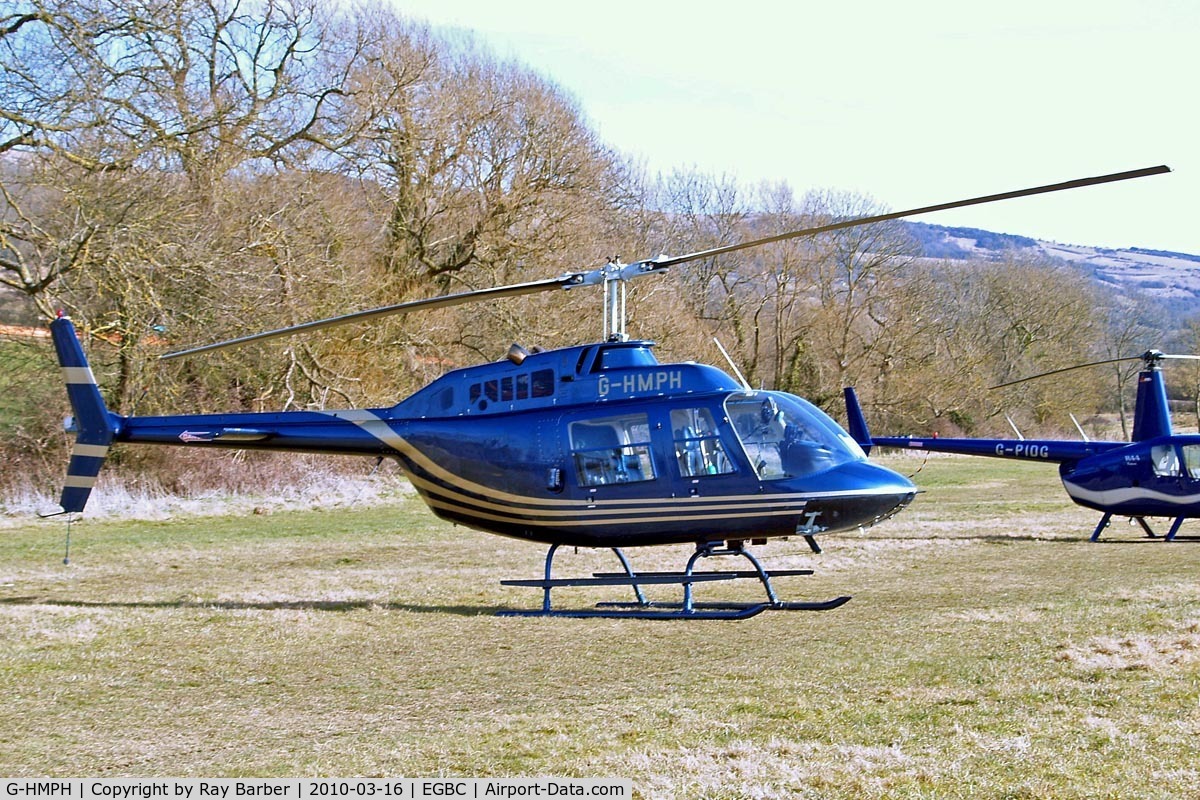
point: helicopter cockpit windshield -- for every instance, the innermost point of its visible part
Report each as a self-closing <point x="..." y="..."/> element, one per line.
<point x="786" y="437"/>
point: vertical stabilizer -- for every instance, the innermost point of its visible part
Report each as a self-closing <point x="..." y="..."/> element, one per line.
<point x="94" y="426"/>
<point x="856" y="421"/>
<point x="1151" y="415"/>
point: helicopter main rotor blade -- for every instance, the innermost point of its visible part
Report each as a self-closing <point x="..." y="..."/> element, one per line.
<point x="400" y="308"/>
<point x="912" y="212"/>
<point x="616" y="271"/>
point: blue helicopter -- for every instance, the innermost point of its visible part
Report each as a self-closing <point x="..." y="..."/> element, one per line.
<point x="598" y="445"/>
<point x="1156" y="474"/>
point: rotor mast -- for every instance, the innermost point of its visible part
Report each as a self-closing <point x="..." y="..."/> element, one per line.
<point x="614" y="309"/>
<point x="613" y="276"/>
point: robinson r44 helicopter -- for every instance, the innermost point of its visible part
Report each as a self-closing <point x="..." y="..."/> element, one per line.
<point x="1156" y="474"/>
<point x="598" y="445"/>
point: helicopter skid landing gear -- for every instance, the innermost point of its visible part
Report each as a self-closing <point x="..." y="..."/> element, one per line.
<point x="1100" y="528"/>
<point x="1170" y="537"/>
<point x="689" y="608"/>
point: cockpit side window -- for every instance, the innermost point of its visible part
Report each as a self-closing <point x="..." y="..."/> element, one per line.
<point x="786" y="437"/>
<point x="1165" y="460"/>
<point x="1191" y="460"/>
<point x="698" y="448"/>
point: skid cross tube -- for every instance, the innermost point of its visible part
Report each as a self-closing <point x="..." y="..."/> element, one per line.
<point x="642" y="608"/>
<point x="716" y="549"/>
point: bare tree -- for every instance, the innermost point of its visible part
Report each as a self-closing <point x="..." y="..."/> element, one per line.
<point x="1190" y="370"/>
<point x="192" y="86"/>
<point x="1122" y="334"/>
<point x="853" y="277"/>
<point x="484" y="173"/>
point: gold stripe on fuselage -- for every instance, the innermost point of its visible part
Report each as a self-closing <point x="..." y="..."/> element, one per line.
<point x="455" y="487"/>
<point x="611" y="508"/>
<point x="554" y="523"/>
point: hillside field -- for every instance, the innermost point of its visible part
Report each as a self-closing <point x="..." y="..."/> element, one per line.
<point x="989" y="651"/>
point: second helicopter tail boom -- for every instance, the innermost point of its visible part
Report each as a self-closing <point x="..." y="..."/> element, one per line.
<point x="1050" y="450"/>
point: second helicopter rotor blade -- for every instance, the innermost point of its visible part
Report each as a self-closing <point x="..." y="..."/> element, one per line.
<point x="1065" y="369"/>
<point x="1148" y="356"/>
<point x="912" y="212"/>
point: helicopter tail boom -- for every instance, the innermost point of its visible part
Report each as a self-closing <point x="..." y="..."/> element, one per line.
<point x="94" y="426"/>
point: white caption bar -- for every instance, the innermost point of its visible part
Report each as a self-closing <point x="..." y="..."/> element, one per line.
<point x="309" y="789"/>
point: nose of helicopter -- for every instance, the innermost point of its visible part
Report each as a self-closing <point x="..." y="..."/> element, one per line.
<point x="860" y="494"/>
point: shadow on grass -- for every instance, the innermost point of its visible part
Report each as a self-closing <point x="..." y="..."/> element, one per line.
<point x="974" y="537"/>
<point x="274" y="605"/>
<point x="1000" y="538"/>
<point x="1147" y="540"/>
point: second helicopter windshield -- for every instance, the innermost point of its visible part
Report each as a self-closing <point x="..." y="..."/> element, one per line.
<point x="786" y="437"/>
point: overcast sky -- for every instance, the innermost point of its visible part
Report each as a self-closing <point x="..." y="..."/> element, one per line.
<point x="910" y="103"/>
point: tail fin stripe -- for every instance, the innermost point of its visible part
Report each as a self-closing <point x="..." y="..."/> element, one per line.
<point x="79" y="481"/>
<point x="79" y="375"/>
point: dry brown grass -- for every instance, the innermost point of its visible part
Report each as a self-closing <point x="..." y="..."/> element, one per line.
<point x="1008" y="660"/>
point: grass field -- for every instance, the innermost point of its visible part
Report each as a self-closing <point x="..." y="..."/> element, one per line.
<point x="989" y="651"/>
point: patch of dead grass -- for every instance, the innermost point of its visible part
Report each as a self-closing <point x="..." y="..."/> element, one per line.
<point x="1140" y="651"/>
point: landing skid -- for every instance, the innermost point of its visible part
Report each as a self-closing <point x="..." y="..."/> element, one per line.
<point x="1141" y="521"/>
<point x="642" y="608"/>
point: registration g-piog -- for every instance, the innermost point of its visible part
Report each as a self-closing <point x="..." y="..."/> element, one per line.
<point x="313" y="789"/>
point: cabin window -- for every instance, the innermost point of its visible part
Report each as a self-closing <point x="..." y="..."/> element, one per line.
<point x="1165" y="460"/>
<point x="1191" y="460"/>
<point x="698" y="449"/>
<point x="612" y="450"/>
<point x="539" y="383"/>
<point x="543" y="383"/>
